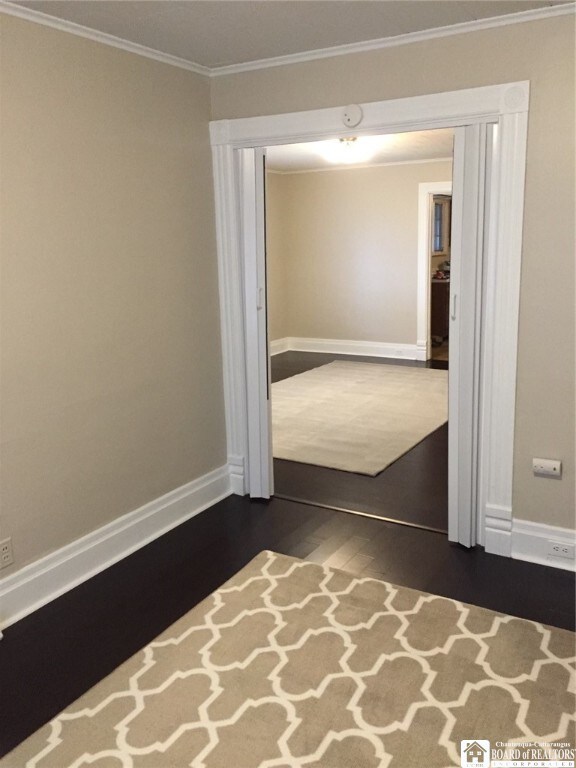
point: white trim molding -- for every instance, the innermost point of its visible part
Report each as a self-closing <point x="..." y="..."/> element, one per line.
<point x="530" y="541"/>
<point x="44" y="580"/>
<point x="236" y="466"/>
<point x="230" y="284"/>
<point x="480" y="105"/>
<point x="524" y="540"/>
<point x="345" y="347"/>
<point x="497" y="530"/>
<point x="477" y="25"/>
<point x="500" y="345"/>
<point x="278" y="346"/>
<point x="63" y="25"/>
<point x="506" y="107"/>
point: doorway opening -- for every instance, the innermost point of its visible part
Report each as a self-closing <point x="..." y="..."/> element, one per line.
<point x="342" y="239"/>
<point x="489" y="168"/>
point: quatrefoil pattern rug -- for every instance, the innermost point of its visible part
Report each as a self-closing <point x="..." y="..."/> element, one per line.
<point x="290" y="664"/>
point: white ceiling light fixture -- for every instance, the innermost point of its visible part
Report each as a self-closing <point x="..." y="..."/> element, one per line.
<point x="350" y="150"/>
<point x="412" y="147"/>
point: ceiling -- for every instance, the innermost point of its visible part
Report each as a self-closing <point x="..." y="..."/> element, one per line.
<point x="220" y="33"/>
<point x="393" y="148"/>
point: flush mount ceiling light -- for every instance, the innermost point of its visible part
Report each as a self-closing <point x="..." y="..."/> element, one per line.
<point x="350" y="150"/>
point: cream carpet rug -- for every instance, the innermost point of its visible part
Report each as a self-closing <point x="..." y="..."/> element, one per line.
<point x="292" y="665"/>
<point x="359" y="417"/>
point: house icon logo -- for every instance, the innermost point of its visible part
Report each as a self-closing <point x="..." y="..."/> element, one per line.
<point x="475" y="754"/>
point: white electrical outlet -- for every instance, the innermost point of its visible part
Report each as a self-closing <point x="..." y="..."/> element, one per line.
<point x="547" y="467"/>
<point x="557" y="549"/>
<point x="6" y="556"/>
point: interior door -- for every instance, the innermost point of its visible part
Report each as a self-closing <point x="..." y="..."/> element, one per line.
<point x="253" y="183"/>
<point x="468" y="194"/>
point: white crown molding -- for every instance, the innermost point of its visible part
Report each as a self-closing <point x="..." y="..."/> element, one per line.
<point x="294" y="58"/>
<point x="360" y="166"/>
<point x="72" y="28"/>
<point x="45" y="579"/>
<point x="391" y="42"/>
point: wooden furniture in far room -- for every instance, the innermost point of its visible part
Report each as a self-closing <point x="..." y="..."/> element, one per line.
<point x="439" y="309"/>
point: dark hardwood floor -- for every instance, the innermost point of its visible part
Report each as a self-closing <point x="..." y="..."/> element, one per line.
<point x="286" y="364"/>
<point x="413" y="490"/>
<point x="51" y="657"/>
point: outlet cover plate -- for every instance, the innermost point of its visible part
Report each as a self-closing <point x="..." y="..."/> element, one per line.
<point x="6" y="555"/>
<point x="547" y="467"/>
<point x="559" y="549"/>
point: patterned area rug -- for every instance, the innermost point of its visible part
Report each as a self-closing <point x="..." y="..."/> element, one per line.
<point x="293" y="665"/>
<point x="358" y="417"/>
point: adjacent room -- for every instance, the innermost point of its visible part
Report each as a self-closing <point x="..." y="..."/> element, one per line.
<point x="362" y="408"/>
<point x="161" y="604"/>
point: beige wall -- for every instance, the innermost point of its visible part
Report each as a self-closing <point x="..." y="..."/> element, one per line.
<point x="111" y="370"/>
<point x="347" y="252"/>
<point x="542" y="52"/>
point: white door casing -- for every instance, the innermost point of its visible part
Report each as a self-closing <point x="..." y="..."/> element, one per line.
<point x="486" y="472"/>
<point x="463" y="382"/>
<point x="251" y="180"/>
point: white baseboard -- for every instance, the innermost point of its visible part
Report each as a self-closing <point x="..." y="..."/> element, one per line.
<point x="237" y="475"/>
<point x="40" y="582"/>
<point x="421" y="351"/>
<point x="280" y="345"/>
<point x="498" y="530"/>
<point x="524" y="540"/>
<point x="530" y="542"/>
<point x="346" y="347"/>
<point x="44" y="580"/>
